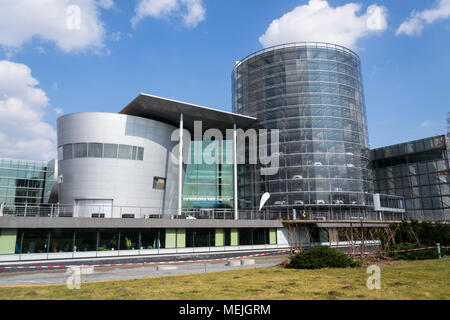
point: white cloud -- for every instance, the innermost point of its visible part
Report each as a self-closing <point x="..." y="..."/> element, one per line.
<point x="426" y="123"/>
<point x="191" y="11"/>
<point x="23" y="132"/>
<point x="72" y="25"/>
<point x="318" y="21"/>
<point x="59" y="111"/>
<point x="106" y="4"/>
<point x="195" y="13"/>
<point x="415" y="24"/>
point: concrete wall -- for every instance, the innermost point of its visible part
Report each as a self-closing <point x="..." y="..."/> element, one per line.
<point x="125" y="182"/>
<point x="282" y="236"/>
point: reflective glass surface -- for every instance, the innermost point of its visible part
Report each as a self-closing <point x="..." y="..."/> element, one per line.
<point x="313" y="94"/>
<point x="25" y="181"/>
<point x="419" y="172"/>
<point x="208" y="182"/>
<point x="100" y="150"/>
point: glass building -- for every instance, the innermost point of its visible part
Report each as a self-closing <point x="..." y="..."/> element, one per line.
<point x="419" y="172"/>
<point x="312" y="93"/>
<point x="25" y="182"/>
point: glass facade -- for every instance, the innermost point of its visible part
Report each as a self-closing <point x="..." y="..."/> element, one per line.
<point x="313" y="94"/>
<point x="30" y="241"/>
<point x="418" y="171"/>
<point x="207" y="183"/>
<point x="25" y="182"/>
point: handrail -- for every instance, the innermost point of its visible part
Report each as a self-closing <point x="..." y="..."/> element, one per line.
<point x="310" y="44"/>
<point x="317" y="212"/>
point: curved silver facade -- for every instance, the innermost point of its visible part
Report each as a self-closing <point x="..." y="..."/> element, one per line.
<point x="312" y="93"/>
<point x="91" y="176"/>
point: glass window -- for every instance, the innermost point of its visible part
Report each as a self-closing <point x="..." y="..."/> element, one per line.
<point x="134" y="153"/>
<point x="129" y="240"/>
<point x="35" y="241"/>
<point x="125" y="152"/>
<point x="110" y="151"/>
<point x="67" y="151"/>
<point x="152" y="239"/>
<point x="85" y="240"/>
<point x="108" y="240"/>
<point x="260" y="236"/>
<point x="159" y="183"/>
<point x="140" y="154"/>
<point x="245" y="237"/>
<point x="60" y="153"/>
<point x="80" y="150"/>
<point x="200" y="238"/>
<point x="61" y="240"/>
<point x="95" y="150"/>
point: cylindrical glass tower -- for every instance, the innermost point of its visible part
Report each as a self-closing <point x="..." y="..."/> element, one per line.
<point x="312" y="93"/>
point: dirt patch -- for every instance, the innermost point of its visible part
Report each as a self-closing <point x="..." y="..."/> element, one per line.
<point x="348" y="288"/>
<point x="283" y="291"/>
<point x="254" y="290"/>
<point x="124" y="292"/>
<point x="31" y="293"/>
<point x="333" y="293"/>
<point x="292" y="284"/>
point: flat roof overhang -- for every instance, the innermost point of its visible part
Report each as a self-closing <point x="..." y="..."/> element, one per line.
<point x="169" y="111"/>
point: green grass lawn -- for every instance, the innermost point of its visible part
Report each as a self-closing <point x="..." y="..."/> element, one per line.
<point x="429" y="279"/>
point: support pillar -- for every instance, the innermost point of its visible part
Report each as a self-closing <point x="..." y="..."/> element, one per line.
<point x="235" y="183"/>
<point x="180" y="169"/>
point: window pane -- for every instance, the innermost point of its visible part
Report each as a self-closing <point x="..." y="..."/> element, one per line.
<point x="108" y="240"/>
<point x="85" y="240"/>
<point x="95" y="150"/>
<point x="35" y="241"/>
<point x="110" y="151"/>
<point x="61" y="240"/>
<point x="159" y="183"/>
<point x="60" y="153"/>
<point x="152" y="239"/>
<point x="80" y="150"/>
<point x="67" y="151"/>
<point x="124" y="152"/>
<point x="134" y="154"/>
<point x="129" y="240"/>
<point x="140" y="155"/>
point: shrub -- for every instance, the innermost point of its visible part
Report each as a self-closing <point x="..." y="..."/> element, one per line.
<point x="426" y="233"/>
<point x="415" y="255"/>
<point x="321" y="257"/>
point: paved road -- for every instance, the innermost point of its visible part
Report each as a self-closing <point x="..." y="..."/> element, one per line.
<point x="49" y="277"/>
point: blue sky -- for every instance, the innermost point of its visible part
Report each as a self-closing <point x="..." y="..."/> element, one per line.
<point x="405" y="73"/>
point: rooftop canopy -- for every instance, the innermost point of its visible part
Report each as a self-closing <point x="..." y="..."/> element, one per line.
<point x="169" y="111"/>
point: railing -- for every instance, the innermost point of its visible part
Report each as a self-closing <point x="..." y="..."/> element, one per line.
<point x="127" y="212"/>
<point x="323" y="45"/>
